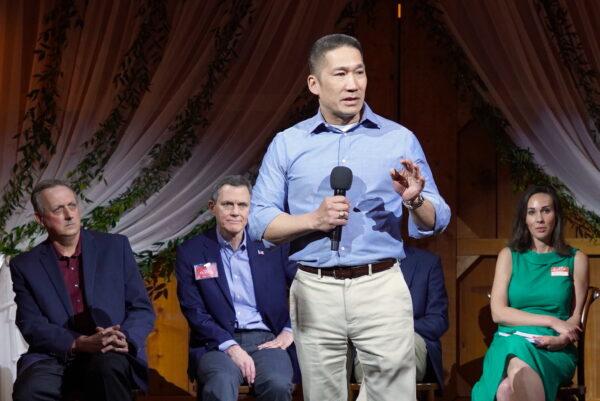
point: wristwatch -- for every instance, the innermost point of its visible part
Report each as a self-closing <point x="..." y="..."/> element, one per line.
<point x="414" y="203"/>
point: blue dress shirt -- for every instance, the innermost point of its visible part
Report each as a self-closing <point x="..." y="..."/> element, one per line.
<point x="241" y="287"/>
<point x="294" y="178"/>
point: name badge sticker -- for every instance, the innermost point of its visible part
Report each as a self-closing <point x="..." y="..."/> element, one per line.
<point x="206" y="270"/>
<point x="558" y="271"/>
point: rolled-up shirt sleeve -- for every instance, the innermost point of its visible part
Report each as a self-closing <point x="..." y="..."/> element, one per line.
<point x="430" y="192"/>
<point x="269" y="195"/>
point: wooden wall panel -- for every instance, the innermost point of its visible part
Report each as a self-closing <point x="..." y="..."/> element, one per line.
<point x="476" y="211"/>
<point x="378" y="38"/>
<point x="475" y="325"/>
<point x="168" y="346"/>
<point x="476" y="191"/>
<point x="507" y="201"/>
<point x="430" y="108"/>
<point x="592" y="341"/>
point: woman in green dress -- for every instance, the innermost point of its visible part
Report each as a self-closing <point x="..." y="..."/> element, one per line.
<point x="537" y="300"/>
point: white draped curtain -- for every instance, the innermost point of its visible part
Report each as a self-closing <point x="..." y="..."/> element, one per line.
<point x="254" y="99"/>
<point x="13" y="344"/>
<point x="511" y="49"/>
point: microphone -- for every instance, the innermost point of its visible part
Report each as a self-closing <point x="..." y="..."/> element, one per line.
<point x="341" y="181"/>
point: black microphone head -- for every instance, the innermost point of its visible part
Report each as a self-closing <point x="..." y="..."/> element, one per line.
<point x="341" y="178"/>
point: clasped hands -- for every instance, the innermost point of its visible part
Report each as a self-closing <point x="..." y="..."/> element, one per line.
<point x="334" y="210"/>
<point x="103" y="340"/>
<point x="245" y="362"/>
<point x="568" y="332"/>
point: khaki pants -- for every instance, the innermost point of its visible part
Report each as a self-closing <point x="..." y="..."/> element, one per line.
<point x="375" y="313"/>
<point x="420" y="358"/>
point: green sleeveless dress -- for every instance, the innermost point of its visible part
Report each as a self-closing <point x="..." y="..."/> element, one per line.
<point x="541" y="283"/>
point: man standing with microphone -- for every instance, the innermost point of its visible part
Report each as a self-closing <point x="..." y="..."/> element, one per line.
<point x="355" y="293"/>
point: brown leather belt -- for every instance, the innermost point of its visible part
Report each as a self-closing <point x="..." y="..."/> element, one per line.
<point x="343" y="272"/>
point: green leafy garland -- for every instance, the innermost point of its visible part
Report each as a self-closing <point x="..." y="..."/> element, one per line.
<point x="571" y="51"/>
<point x="166" y="157"/>
<point x="523" y="168"/>
<point x="40" y="118"/>
<point x="134" y="80"/>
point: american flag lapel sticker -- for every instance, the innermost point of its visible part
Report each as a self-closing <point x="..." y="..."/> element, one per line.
<point x="206" y="270"/>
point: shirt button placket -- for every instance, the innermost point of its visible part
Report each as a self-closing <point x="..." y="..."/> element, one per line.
<point x="344" y="138"/>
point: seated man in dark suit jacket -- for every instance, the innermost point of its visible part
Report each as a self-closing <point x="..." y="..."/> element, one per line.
<point x="424" y="276"/>
<point x="233" y="293"/>
<point x="82" y="307"/>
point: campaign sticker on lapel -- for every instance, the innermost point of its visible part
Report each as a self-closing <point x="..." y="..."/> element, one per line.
<point x="206" y="270"/>
<point x="260" y="252"/>
<point x="559" y="271"/>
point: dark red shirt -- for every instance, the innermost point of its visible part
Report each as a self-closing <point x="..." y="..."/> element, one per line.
<point x="72" y="272"/>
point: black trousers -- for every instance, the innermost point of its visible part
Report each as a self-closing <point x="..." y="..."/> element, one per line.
<point x="94" y="377"/>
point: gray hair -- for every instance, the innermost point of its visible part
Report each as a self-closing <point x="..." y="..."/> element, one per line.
<point x="328" y="43"/>
<point x="36" y="200"/>
<point x="231" y="180"/>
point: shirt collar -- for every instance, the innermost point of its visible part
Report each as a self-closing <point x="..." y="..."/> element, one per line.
<point x="224" y="244"/>
<point x="75" y="255"/>
<point x="368" y="119"/>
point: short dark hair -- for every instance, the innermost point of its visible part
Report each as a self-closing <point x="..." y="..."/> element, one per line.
<point x="521" y="237"/>
<point x="42" y="185"/>
<point x="328" y="43"/>
<point x="231" y="180"/>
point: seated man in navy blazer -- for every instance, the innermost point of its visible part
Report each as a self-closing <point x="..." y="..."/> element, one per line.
<point x="82" y="307"/>
<point x="234" y="294"/>
<point x="424" y="276"/>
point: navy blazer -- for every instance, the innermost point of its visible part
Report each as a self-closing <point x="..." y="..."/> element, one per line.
<point x="207" y="303"/>
<point x="114" y="292"/>
<point x="424" y="276"/>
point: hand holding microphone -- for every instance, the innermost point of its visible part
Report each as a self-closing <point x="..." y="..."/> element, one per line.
<point x="334" y="210"/>
<point x="341" y="181"/>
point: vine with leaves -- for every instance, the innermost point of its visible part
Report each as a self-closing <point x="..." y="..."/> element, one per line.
<point x="524" y="171"/>
<point x="166" y="157"/>
<point x="40" y="120"/>
<point x="133" y="80"/>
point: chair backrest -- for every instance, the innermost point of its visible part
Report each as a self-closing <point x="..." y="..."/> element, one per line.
<point x="593" y="293"/>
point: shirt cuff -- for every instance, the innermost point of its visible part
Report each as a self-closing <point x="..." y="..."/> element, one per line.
<point x="442" y="218"/>
<point x="224" y="345"/>
<point x="288" y="329"/>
